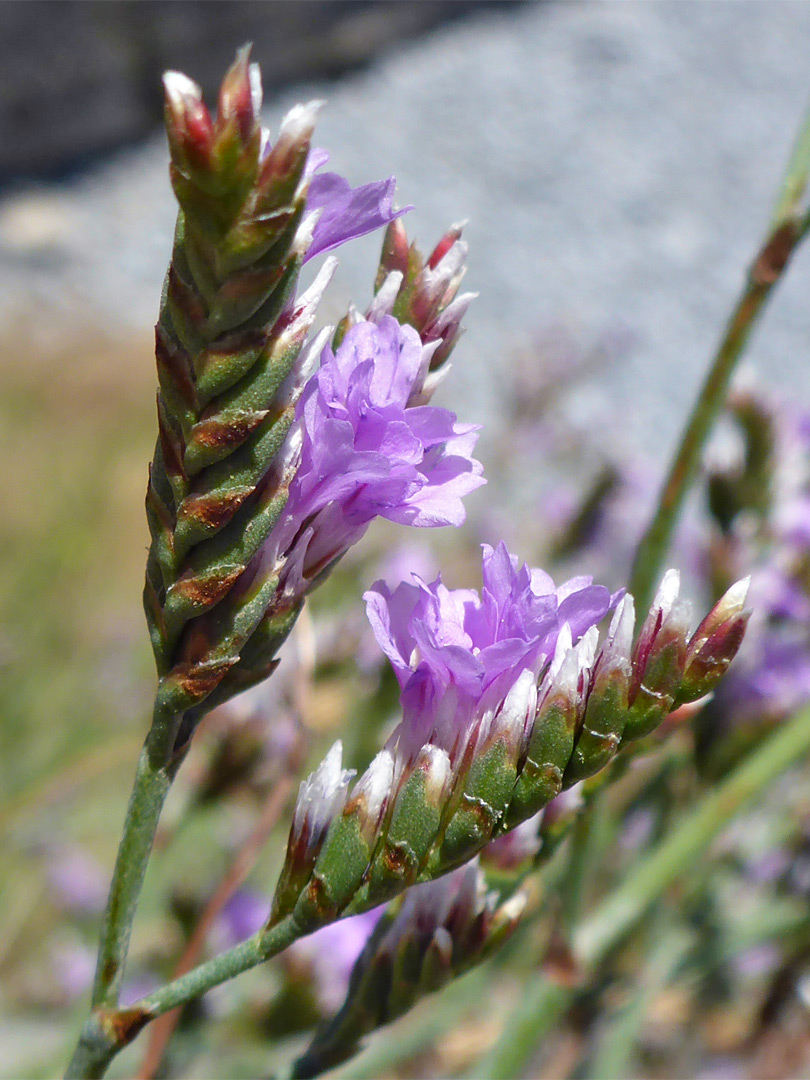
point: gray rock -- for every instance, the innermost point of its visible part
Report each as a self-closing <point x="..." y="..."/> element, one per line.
<point x="618" y="164"/>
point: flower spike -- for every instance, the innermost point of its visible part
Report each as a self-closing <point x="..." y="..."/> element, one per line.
<point x="255" y="488"/>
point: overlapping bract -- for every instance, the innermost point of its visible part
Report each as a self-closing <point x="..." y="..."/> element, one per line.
<point x="503" y="708"/>
<point x="231" y="554"/>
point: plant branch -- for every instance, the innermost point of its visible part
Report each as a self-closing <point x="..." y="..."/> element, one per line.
<point x="109" y="1030"/>
<point x="153" y="779"/>
<point x="786" y="230"/>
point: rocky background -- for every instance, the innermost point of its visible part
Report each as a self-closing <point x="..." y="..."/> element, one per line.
<point x="616" y="161"/>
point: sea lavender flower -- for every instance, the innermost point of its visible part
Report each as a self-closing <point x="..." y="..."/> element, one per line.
<point x="456" y="654"/>
<point x="329" y="955"/>
<point x="366" y="453"/>
<point x="507" y="698"/>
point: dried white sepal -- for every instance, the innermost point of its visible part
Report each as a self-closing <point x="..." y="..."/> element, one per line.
<point x="321" y="796"/>
<point x="375" y="785"/>
<point x="180" y="89"/>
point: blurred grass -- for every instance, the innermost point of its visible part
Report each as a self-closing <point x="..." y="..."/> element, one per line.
<point x="76" y="427"/>
<point x="75" y="430"/>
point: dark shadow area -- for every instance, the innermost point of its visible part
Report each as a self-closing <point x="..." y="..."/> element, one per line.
<point x="80" y="78"/>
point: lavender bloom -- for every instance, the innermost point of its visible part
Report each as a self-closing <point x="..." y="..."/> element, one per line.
<point x="365" y="453"/>
<point x="344" y="212"/>
<point x="78" y="882"/>
<point x="457" y="654"/>
<point x="243" y="916"/>
<point x="330" y="954"/>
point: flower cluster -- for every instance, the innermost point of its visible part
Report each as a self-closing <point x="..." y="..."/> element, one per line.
<point x="508" y="698"/>
<point x="367" y="452"/>
<point x="457" y="654"/>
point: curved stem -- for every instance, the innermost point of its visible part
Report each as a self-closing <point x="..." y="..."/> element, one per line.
<point x="787" y="228"/>
<point x="108" y="1031"/>
<point x="153" y="779"/>
<point x="238" y="871"/>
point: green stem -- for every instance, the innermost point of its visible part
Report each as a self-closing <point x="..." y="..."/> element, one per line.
<point x="785" y="232"/>
<point x="543" y="1002"/>
<point x="109" y="1030"/>
<point x="145" y="804"/>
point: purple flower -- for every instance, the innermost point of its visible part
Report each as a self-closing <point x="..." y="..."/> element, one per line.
<point x="245" y="913"/>
<point x="457" y="654"/>
<point x="773" y="681"/>
<point x="344" y="212"/>
<point x="331" y="953"/>
<point x="78" y="882"/>
<point x="365" y="452"/>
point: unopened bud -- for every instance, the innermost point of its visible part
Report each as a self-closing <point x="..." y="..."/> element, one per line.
<point x="414" y="824"/>
<point x="658" y="660"/>
<point x="240" y="96"/>
<point x="188" y="121"/>
<point x="321" y="798"/>
<point x="347" y="849"/>
<point x="715" y="643"/>
<point x="606" y="710"/>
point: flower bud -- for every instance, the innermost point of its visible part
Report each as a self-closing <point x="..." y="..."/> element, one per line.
<point x="321" y="798"/>
<point x="551" y="740"/>
<point x="442" y="929"/>
<point x="490" y="782"/>
<point x="715" y="643"/>
<point x="413" y="826"/>
<point x="658" y="660"/>
<point x="606" y="709"/>
<point x="348" y="847"/>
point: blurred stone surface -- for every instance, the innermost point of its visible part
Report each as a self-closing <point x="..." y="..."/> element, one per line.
<point x="617" y="161"/>
<point x="78" y="76"/>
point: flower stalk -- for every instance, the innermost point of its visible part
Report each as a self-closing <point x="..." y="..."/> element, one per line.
<point x="787" y="229"/>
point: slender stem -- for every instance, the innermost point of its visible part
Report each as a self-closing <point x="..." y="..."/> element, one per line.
<point x="797" y="175"/>
<point x="152" y="782"/>
<point x="542" y="1001"/>
<point x="109" y="1030"/>
<point x="785" y="232"/>
<point x="245" y="859"/>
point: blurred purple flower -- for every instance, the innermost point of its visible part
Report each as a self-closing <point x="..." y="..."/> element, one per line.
<point x="772" y="681"/>
<point x="330" y="954"/>
<point x="74" y="967"/>
<point x="244" y="914"/>
<point x="78" y="882"/>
